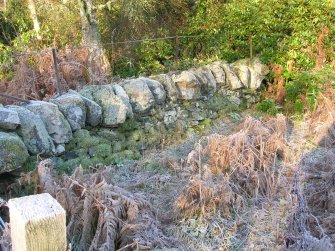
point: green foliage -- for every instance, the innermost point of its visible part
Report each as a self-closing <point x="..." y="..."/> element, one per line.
<point x="126" y="67"/>
<point x="303" y="88"/>
<point x="280" y="30"/>
<point x="154" y="55"/>
<point x="148" y="57"/>
<point x="268" y="106"/>
<point x="60" y="23"/>
<point x="17" y="19"/>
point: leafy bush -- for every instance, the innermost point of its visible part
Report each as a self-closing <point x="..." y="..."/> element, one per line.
<point x="269" y="106"/>
<point x="303" y="88"/>
<point x="153" y="54"/>
<point x="280" y="30"/>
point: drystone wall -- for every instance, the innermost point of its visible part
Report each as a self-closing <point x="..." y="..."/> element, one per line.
<point x="109" y="123"/>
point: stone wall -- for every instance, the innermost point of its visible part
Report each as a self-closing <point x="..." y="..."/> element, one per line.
<point x="108" y="123"/>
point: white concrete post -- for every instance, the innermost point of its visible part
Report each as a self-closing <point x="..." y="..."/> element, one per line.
<point x="38" y="223"/>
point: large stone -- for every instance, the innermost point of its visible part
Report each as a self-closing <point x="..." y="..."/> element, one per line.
<point x="169" y="86"/>
<point x="243" y="73"/>
<point x="141" y="98"/>
<point x="56" y="124"/>
<point x="9" y="120"/>
<point x="33" y="132"/>
<point x="188" y="85"/>
<point x="206" y="78"/>
<point x="13" y="152"/>
<point x="218" y="73"/>
<point x="114" y="110"/>
<point x="156" y="89"/>
<point x="120" y="92"/>
<point x="233" y="80"/>
<point x="73" y="108"/>
<point x="251" y="72"/>
<point x="93" y="110"/>
<point x="88" y="90"/>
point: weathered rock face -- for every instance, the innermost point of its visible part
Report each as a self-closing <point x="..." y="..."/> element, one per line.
<point x="88" y="90"/>
<point x="33" y="132"/>
<point x="73" y="108"/>
<point x="56" y="124"/>
<point x="206" y="78"/>
<point x="251" y="72"/>
<point x="169" y="86"/>
<point x="120" y="92"/>
<point x="243" y="72"/>
<point x="232" y="79"/>
<point x="114" y="109"/>
<point x="13" y="152"/>
<point x="9" y="120"/>
<point x="60" y="149"/>
<point x="218" y="73"/>
<point x="188" y="85"/>
<point x="170" y="118"/>
<point x="156" y="89"/>
<point x="93" y="110"/>
<point x="141" y="98"/>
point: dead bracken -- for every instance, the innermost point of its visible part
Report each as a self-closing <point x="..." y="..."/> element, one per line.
<point x="224" y="168"/>
<point x="101" y="215"/>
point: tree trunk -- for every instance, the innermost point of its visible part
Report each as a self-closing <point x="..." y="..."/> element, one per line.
<point x="32" y="9"/>
<point x="98" y="64"/>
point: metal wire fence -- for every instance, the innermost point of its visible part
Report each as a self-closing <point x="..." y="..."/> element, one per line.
<point x="177" y="37"/>
<point x="64" y="68"/>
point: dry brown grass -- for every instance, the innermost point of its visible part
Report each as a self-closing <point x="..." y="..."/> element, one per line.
<point x="229" y="167"/>
<point x="321" y="54"/>
<point x="101" y="215"/>
<point x="277" y="90"/>
<point x="202" y="196"/>
<point x="322" y="120"/>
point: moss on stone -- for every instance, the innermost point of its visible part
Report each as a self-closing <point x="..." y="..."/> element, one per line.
<point x="117" y="146"/>
<point x="68" y="166"/>
<point x="102" y="150"/>
<point x="83" y="140"/>
<point x="13" y="152"/>
<point x="218" y="103"/>
<point x="84" y="161"/>
<point x="135" y="135"/>
<point x="109" y="134"/>
<point x="129" y="125"/>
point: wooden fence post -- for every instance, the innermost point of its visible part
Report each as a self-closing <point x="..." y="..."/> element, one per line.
<point x="250" y="46"/>
<point x="59" y="89"/>
<point x="177" y="51"/>
<point x="113" y="54"/>
<point x="37" y="222"/>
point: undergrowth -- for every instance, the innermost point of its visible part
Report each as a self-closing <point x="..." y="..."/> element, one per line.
<point x="225" y="169"/>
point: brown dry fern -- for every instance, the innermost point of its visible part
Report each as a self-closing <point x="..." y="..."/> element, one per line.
<point x="101" y="215"/>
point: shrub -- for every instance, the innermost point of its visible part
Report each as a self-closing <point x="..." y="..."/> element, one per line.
<point x="303" y="88"/>
<point x="280" y="30"/>
<point x="269" y="106"/>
